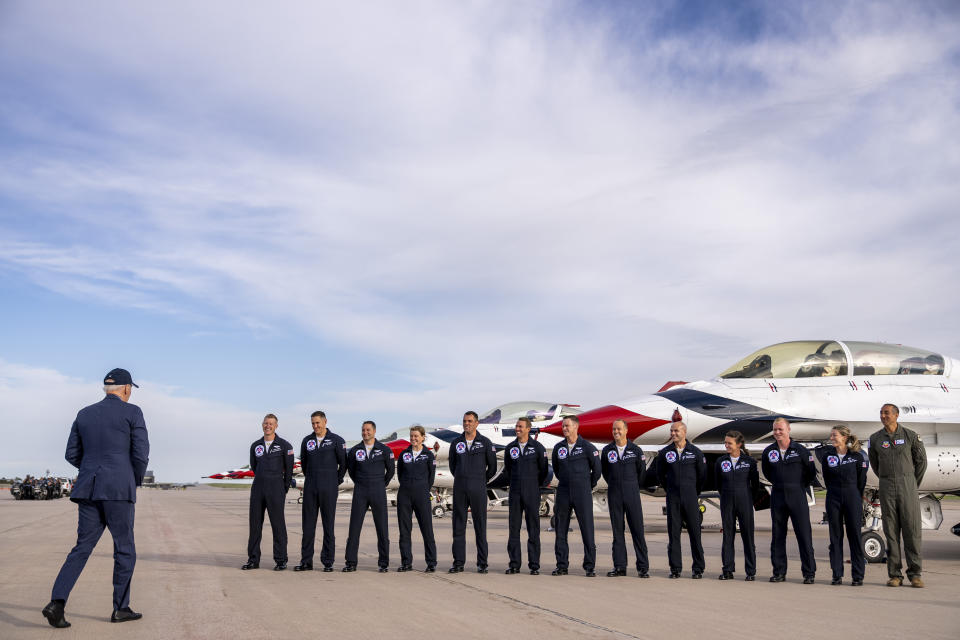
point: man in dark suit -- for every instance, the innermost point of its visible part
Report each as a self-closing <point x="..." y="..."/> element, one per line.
<point x="108" y="443"/>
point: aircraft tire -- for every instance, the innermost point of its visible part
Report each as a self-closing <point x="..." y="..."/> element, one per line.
<point x="874" y="547"/>
<point x="544" y="509"/>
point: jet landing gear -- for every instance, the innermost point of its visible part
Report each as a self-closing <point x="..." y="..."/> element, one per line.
<point x="872" y="540"/>
<point x="874" y="547"/>
<point x="442" y="500"/>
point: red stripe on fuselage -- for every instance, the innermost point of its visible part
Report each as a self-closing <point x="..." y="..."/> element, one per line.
<point x="397" y="446"/>
<point x="596" y="424"/>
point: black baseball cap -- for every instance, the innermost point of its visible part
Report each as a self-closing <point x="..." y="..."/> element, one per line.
<point x="119" y="376"/>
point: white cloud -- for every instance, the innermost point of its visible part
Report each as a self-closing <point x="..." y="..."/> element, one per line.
<point x="502" y="203"/>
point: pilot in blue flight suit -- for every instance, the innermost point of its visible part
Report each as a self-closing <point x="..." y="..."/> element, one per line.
<point x="525" y="468"/>
<point x="323" y="463"/>
<point x="739" y="481"/>
<point x="789" y="467"/>
<point x="681" y="471"/>
<point x="271" y="460"/>
<point x="576" y="463"/>
<point x="624" y="467"/>
<point x="416" y="470"/>
<point x="845" y="474"/>
<point x="108" y="443"/>
<point x="371" y="467"/>
<point x="473" y="461"/>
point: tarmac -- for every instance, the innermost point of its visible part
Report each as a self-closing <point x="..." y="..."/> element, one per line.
<point x="188" y="583"/>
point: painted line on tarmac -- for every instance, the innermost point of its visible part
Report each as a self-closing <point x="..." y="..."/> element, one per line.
<point x="531" y="605"/>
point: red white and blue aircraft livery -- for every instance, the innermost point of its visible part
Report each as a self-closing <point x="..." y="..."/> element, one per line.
<point x="815" y="384"/>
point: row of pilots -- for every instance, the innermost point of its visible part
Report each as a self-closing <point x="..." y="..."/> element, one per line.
<point x="681" y="471"/>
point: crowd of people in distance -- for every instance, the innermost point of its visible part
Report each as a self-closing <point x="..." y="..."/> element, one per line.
<point x="45" y="488"/>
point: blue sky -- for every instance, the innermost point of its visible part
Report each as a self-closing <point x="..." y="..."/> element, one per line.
<point x="403" y="212"/>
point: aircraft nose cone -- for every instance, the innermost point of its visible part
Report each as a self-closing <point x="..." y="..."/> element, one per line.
<point x="596" y="424"/>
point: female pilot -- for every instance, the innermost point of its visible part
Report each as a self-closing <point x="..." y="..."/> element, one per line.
<point x="739" y="482"/>
<point x="845" y="474"/>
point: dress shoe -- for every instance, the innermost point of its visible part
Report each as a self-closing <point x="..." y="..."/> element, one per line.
<point x="836" y="581"/>
<point x="250" y="565"/>
<point x="349" y="568"/>
<point x="455" y="569"/>
<point x="916" y="583"/>
<point x="404" y="568"/>
<point x="558" y="572"/>
<point x="327" y="569"/>
<point x="125" y="615"/>
<point x="481" y="569"/>
<point x="894" y="582"/>
<point x="511" y="571"/>
<point x="591" y="574"/>
<point x="808" y="580"/>
<point x="643" y="573"/>
<point x="383" y="569"/>
<point x="53" y="612"/>
<point x="430" y="570"/>
<point x="304" y="567"/>
<point x="726" y="575"/>
<point x="674" y="575"/>
<point x="778" y="578"/>
<point x="616" y="572"/>
<point x="750" y="578"/>
<point x="856" y="583"/>
<point x="697" y="575"/>
<point x="534" y="572"/>
<point x="280" y="566"/>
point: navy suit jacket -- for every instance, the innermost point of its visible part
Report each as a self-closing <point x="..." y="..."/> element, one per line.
<point x="108" y="443"/>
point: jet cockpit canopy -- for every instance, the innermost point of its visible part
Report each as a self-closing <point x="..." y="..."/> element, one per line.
<point x="536" y="411"/>
<point x="823" y="358"/>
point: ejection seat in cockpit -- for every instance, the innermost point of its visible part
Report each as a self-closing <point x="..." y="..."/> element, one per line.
<point x="812" y="366"/>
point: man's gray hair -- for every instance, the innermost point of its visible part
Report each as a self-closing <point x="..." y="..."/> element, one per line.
<point x="113" y="388"/>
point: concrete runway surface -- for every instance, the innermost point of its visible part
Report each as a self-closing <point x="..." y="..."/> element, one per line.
<point x="188" y="583"/>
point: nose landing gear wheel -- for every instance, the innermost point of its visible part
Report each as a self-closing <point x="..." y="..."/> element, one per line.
<point x="874" y="547"/>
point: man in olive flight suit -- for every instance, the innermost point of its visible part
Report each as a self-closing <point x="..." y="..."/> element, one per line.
<point x="899" y="459"/>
